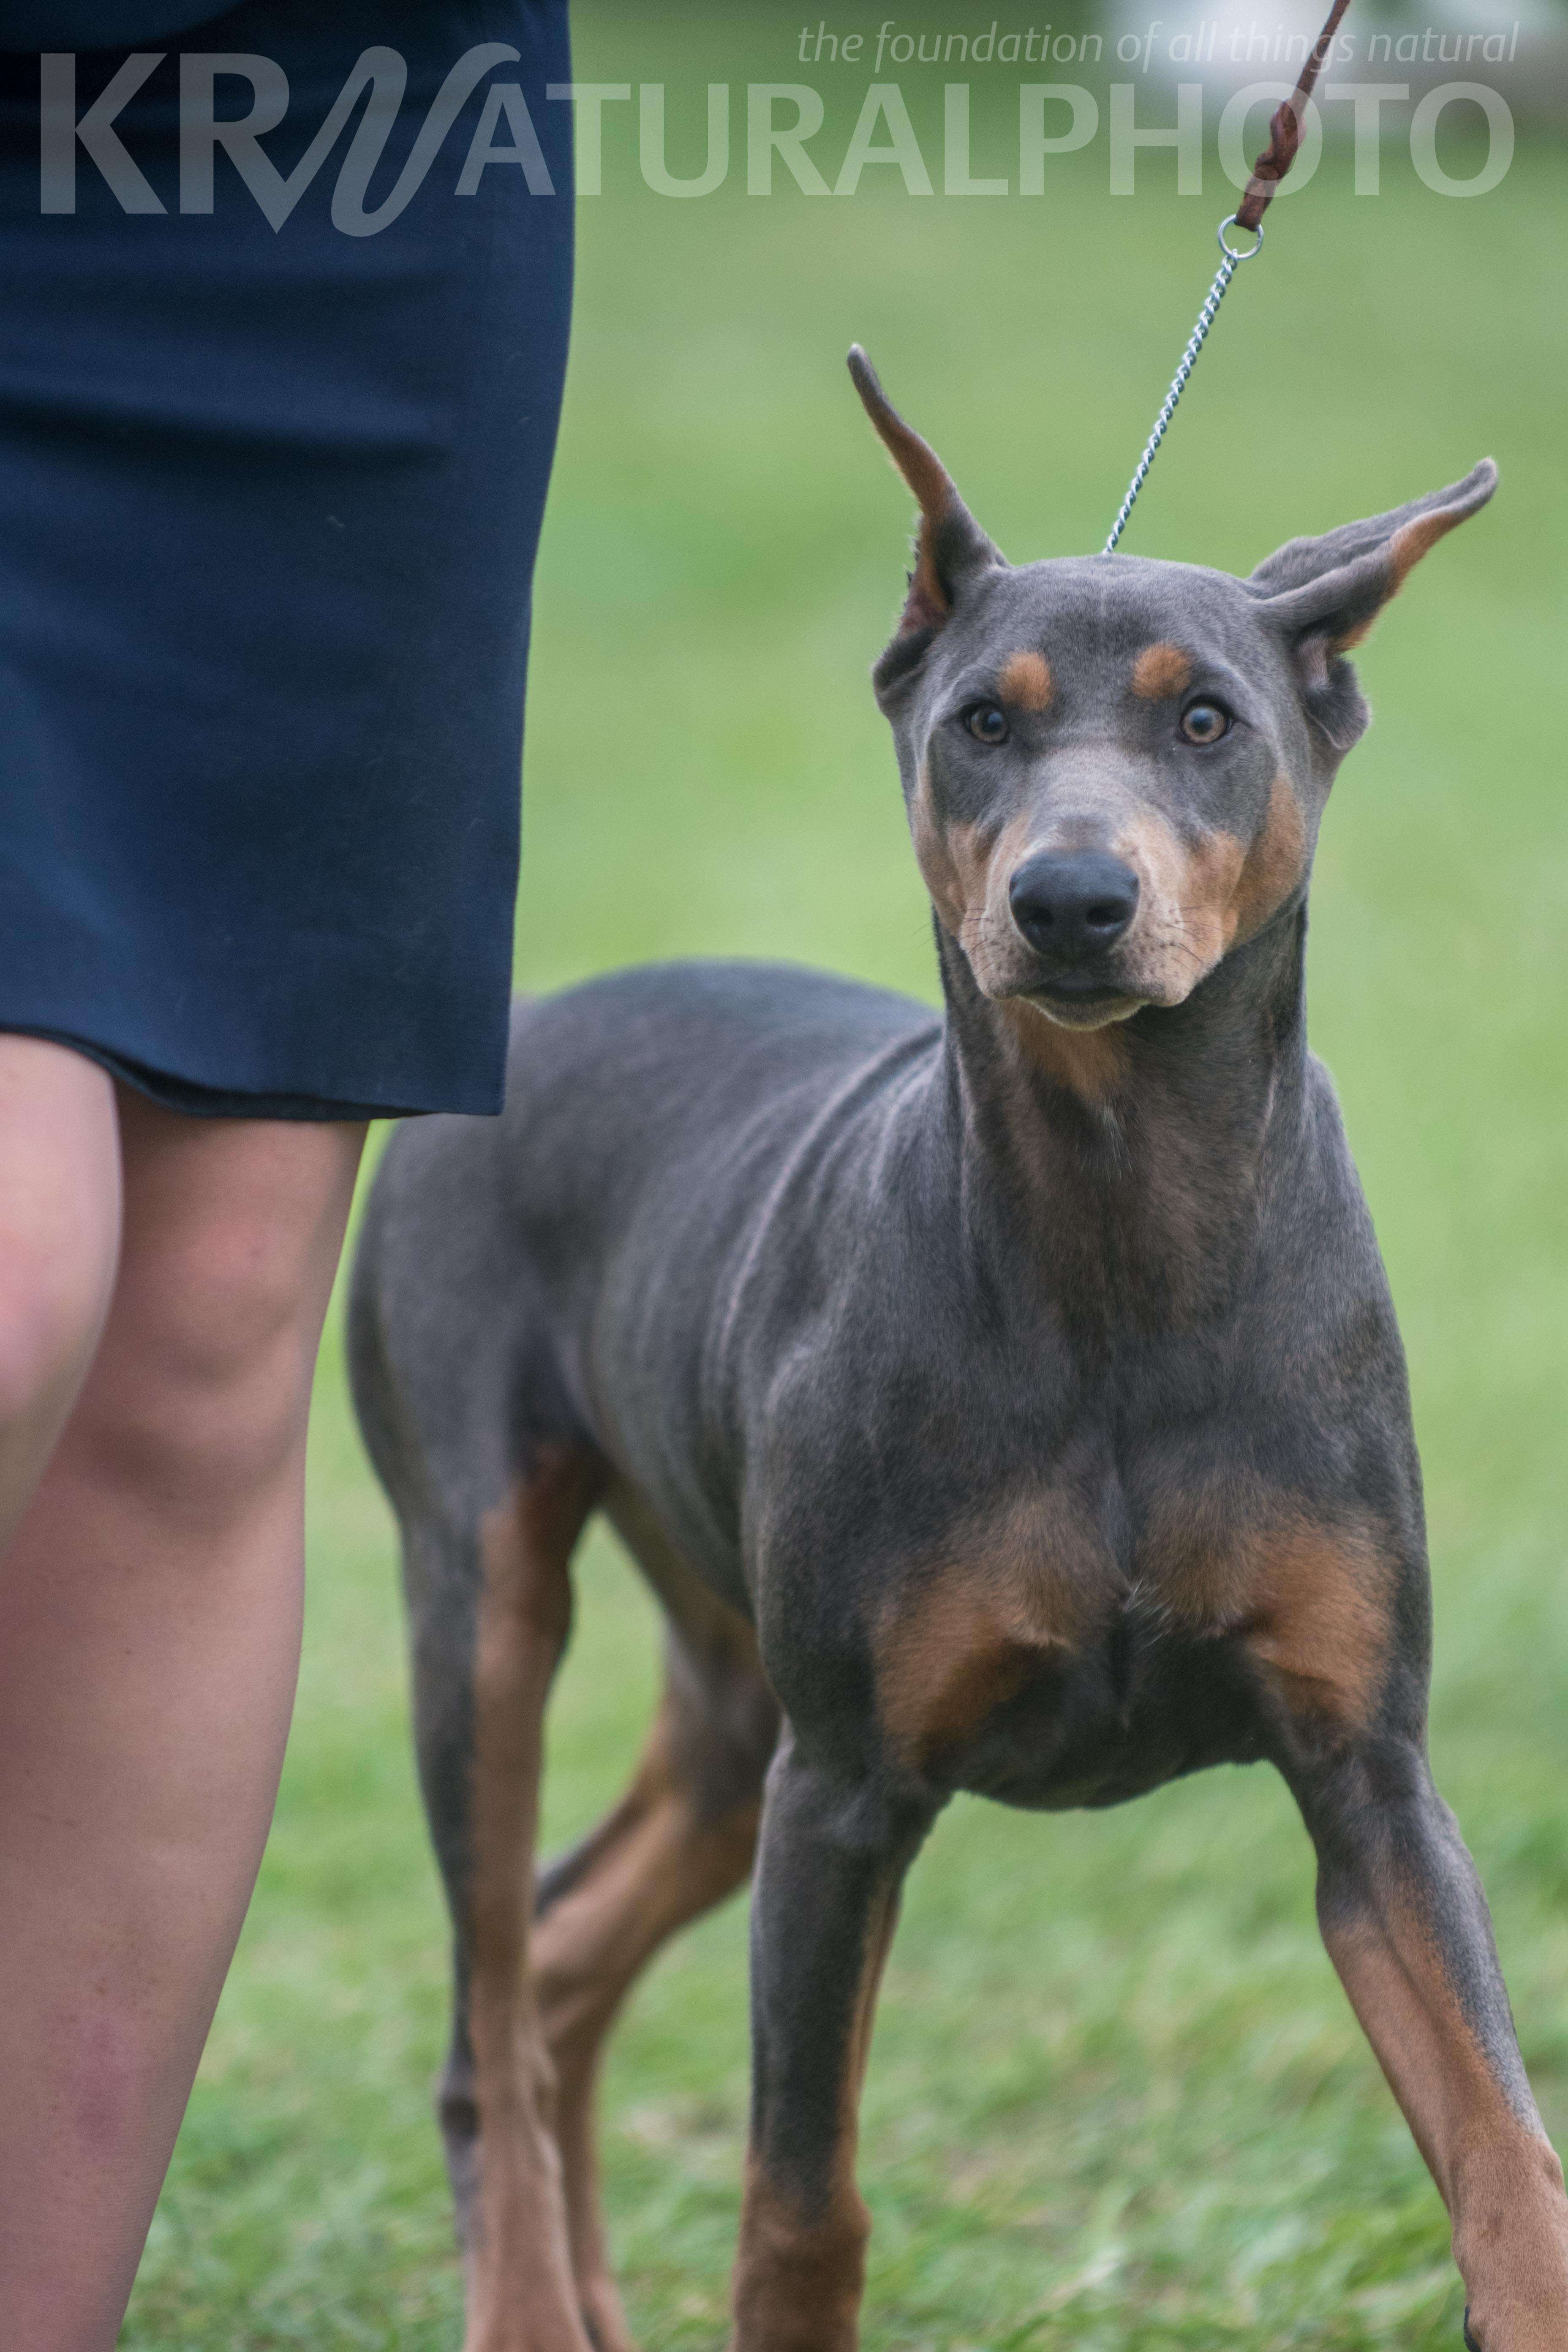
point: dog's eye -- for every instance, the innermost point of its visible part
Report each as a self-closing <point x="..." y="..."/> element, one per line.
<point x="986" y="723"/>
<point x="1205" y="722"/>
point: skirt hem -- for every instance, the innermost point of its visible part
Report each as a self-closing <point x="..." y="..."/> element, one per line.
<point x="193" y="1100"/>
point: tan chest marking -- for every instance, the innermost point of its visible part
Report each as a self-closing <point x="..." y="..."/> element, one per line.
<point x="1027" y="681"/>
<point x="966" y="1638"/>
<point x="1310" y="1603"/>
<point x="1089" y="1063"/>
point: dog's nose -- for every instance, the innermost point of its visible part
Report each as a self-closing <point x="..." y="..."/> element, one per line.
<point x="1075" y="906"/>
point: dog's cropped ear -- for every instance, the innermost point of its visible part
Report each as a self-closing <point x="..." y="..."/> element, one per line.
<point x="950" y="547"/>
<point x="1323" y="595"/>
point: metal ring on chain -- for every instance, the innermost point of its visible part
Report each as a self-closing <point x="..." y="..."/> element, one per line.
<point x="1234" y="252"/>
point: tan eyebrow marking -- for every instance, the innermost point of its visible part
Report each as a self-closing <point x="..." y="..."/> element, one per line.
<point x="1027" y="680"/>
<point x="1161" y="671"/>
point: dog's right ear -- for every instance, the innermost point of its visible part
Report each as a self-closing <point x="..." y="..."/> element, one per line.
<point x="950" y="547"/>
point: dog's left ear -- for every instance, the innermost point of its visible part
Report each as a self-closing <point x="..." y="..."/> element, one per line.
<point x="952" y="547"/>
<point x="1323" y="595"/>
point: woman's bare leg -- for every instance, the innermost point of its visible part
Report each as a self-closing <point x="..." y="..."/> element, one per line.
<point x="59" y="1239"/>
<point x="149" y="1607"/>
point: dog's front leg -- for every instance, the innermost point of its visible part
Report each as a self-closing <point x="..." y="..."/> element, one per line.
<point x="830" y="1865"/>
<point x="1406" y="1924"/>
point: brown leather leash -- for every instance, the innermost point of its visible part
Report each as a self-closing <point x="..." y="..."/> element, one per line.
<point x="1284" y="138"/>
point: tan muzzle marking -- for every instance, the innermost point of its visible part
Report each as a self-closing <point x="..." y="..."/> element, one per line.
<point x="1196" y="903"/>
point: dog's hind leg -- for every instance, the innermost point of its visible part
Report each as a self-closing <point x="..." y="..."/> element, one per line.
<point x="475" y="1441"/>
<point x="480" y="1706"/>
<point x="679" y="1840"/>
<point x="519" y="2287"/>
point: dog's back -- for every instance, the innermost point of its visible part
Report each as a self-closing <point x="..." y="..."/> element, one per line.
<point x="648" y="1116"/>
<point x="672" y="1079"/>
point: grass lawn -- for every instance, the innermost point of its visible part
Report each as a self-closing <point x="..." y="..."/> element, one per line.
<point x="1117" y="2100"/>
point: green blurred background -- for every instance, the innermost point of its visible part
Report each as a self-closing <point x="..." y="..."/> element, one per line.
<point x="1117" y="2099"/>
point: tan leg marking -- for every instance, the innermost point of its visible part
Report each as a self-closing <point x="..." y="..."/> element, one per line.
<point x="1501" y="2183"/>
<point x="520" y="2294"/>
<point x="658" y="1863"/>
<point x="801" y="2275"/>
<point x="1160" y="672"/>
<point x="1310" y="1603"/>
<point x="964" y="1640"/>
<point x="1027" y="680"/>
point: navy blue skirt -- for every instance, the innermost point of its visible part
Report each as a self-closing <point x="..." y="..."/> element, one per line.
<point x="276" y="415"/>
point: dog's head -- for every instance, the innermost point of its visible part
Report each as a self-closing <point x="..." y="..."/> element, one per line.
<point x="1115" y="767"/>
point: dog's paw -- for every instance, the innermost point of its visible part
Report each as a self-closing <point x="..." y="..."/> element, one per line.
<point x="1470" y="2344"/>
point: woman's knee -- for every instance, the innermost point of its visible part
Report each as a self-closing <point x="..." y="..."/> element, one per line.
<point x="231" y="1316"/>
<point x="232" y="1237"/>
<point x="59" y="1223"/>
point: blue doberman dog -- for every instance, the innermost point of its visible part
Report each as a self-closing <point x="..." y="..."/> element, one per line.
<point x="1008" y="1401"/>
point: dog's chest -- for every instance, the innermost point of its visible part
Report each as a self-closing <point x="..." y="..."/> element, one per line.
<point x="1044" y="1661"/>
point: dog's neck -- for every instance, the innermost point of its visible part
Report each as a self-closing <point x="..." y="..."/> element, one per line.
<point x="1132" y="1161"/>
